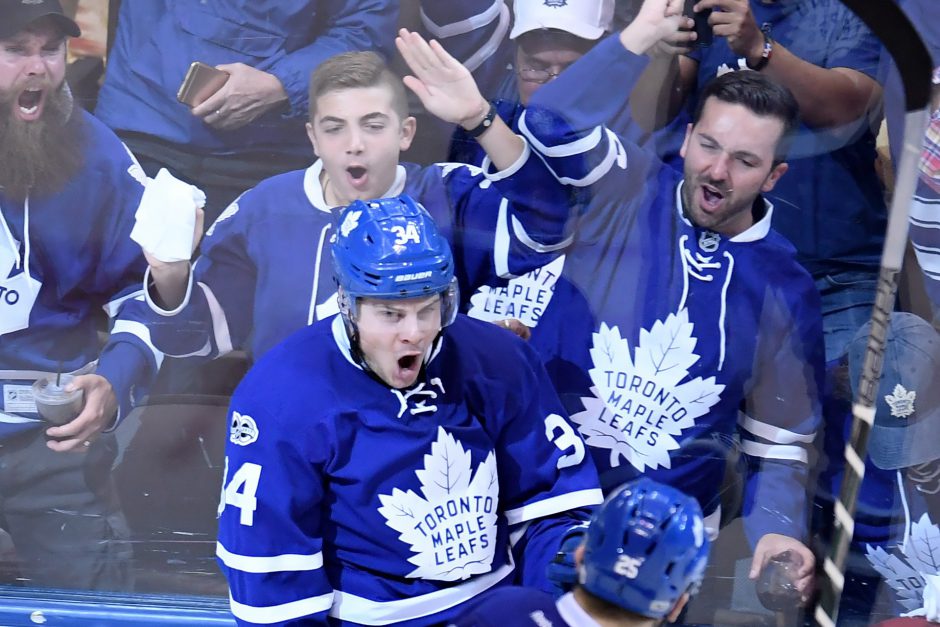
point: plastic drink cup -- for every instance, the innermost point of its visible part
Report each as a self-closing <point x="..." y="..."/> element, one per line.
<point x="53" y="403"/>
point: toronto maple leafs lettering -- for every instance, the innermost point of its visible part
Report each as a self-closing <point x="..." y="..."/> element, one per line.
<point x="919" y="560"/>
<point x="641" y="405"/>
<point x="452" y="529"/>
<point x="524" y="298"/>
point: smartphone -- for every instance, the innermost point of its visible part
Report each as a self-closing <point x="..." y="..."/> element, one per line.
<point x="201" y="81"/>
<point x="702" y="28"/>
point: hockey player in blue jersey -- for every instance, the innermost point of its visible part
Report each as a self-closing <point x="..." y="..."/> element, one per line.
<point x="691" y="323"/>
<point x="265" y="271"/>
<point x="642" y="558"/>
<point x="68" y="191"/>
<point x="394" y="462"/>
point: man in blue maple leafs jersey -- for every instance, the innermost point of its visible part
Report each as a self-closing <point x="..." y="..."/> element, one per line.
<point x="690" y="323"/>
<point x="394" y="462"/>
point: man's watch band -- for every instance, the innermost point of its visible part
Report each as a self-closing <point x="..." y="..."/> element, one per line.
<point x="484" y="124"/>
<point x="765" y="54"/>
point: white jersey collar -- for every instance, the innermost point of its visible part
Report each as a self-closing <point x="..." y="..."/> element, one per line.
<point x="573" y="613"/>
<point x="756" y="231"/>
<point x="314" y="190"/>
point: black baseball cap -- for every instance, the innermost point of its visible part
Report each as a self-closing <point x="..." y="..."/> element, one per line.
<point x="16" y="15"/>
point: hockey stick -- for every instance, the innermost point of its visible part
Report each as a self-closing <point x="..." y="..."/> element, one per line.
<point x="887" y="21"/>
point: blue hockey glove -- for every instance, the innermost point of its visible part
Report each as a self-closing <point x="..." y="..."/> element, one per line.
<point x="561" y="570"/>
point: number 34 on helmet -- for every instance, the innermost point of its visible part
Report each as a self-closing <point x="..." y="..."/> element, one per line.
<point x="391" y="249"/>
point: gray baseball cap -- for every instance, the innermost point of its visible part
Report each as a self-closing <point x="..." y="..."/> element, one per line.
<point x="907" y="407"/>
<point x="15" y="15"/>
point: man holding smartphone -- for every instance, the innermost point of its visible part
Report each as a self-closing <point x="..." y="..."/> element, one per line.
<point x="252" y="127"/>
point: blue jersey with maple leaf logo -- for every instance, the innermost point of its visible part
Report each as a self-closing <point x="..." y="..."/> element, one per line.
<point x="64" y="257"/>
<point x="370" y="505"/>
<point x="266" y="270"/>
<point x="669" y="342"/>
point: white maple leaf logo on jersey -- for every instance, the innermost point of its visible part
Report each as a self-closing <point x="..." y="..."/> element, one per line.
<point x="524" y="298"/>
<point x="901" y="401"/>
<point x="919" y="560"/>
<point x="452" y="529"/>
<point x="640" y="408"/>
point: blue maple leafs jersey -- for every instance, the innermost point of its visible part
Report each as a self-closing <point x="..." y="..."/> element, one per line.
<point x="266" y="269"/>
<point x="65" y="257"/>
<point x="666" y="341"/>
<point x="370" y="505"/>
<point x="523" y="607"/>
<point x="831" y="203"/>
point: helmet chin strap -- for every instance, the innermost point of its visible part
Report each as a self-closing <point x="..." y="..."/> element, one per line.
<point x="355" y="349"/>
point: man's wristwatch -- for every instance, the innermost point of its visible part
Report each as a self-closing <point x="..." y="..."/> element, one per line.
<point x="765" y="53"/>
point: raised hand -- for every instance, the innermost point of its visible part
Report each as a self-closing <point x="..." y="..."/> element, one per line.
<point x="657" y="24"/>
<point x="446" y="88"/>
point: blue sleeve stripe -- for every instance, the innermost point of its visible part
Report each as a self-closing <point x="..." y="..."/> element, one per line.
<point x="555" y="505"/>
<point x="771" y="433"/>
<point x="271" y="614"/>
<point x="269" y="564"/>
<point x="774" y="451"/>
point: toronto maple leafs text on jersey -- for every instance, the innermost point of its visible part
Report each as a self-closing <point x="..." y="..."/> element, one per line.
<point x="345" y="498"/>
<point x="266" y="271"/>
<point x="673" y="341"/>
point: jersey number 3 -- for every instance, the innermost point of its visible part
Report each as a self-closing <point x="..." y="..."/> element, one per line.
<point x="240" y="491"/>
<point x="567" y="439"/>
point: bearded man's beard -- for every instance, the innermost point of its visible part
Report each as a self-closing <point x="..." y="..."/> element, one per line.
<point x="39" y="158"/>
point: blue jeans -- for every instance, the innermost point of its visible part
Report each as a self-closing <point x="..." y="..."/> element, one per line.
<point x="847" y="301"/>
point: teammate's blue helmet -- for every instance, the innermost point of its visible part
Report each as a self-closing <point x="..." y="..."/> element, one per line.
<point x="391" y="249"/>
<point x="645" y="547"/>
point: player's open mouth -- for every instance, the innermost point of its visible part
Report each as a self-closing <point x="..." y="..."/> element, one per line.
<point x="408" y="363"/>
<point x="29" y="104"/>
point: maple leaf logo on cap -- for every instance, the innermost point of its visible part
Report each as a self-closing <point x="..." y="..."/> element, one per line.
<point x="901" y="401"/>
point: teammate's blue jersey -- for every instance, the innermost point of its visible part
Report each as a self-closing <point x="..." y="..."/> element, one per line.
<point x="376" y="505"/>
<point x="523" y="607"/>
<point x="64" y="258"/>
<point x="266" y="269"/>
<point x="666" y="340"/>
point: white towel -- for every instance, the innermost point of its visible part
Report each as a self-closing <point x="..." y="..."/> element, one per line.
<point x="166" y="218"/>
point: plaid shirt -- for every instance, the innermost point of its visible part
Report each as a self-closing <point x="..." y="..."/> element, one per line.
<point x="930" y="157"/>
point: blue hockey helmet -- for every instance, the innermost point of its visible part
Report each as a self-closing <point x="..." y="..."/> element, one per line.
<point x="391" y="249"/>
<point x="645" y="547"/>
